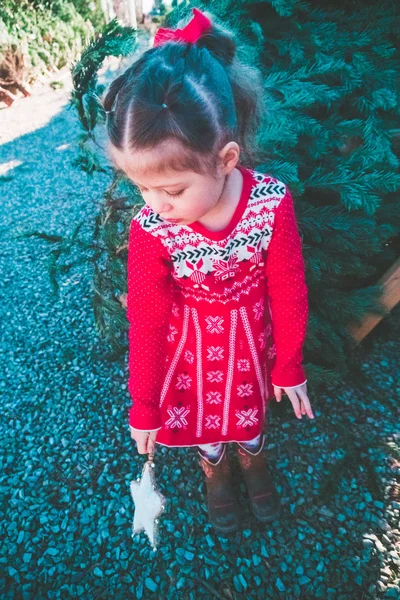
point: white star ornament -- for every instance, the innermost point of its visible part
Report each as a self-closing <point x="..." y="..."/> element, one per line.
<point x="149" y="503"/>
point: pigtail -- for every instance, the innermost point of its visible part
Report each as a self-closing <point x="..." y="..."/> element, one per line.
<point x="116" y="111"/>
<point x="115" y="132"/>
<point x="246" y="84"/>
<point x="220" y="43"/>
<point x="180" y="69"/>
<point x="113" y="91"/>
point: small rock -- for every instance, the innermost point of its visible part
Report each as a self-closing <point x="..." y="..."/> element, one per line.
<point x="384" y="525"/>
<point x="320" y="566"/>
<point x="358" y="579"/>
<point x="392" y="591"/>
<point x="326" y="512"/>
<point x="150" y="584"/>
<point x="279" y="584"/>
<point x="379" y="546"/>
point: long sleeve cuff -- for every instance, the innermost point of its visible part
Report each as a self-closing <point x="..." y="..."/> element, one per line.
<point x="144" y="417"/>
<point x="293" y="378"/>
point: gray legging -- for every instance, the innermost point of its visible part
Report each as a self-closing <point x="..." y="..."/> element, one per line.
<point x="213" y="451"/>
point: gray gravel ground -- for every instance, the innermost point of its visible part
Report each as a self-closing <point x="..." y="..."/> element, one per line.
<point x="66" y="455"/>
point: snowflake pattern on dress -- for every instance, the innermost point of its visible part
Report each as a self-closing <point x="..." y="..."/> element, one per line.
<point x="213" y="422"/>
<point x="245" y="389"/>
<point x="215" y="352"/>
<point x="183" y="381"/>
<point x="257" y="258"/>
<point x="178" y="416"/>
<point x="262" y="338"/>
<point x="224" y="269"/>
<point x="172" y="333"/>
<point x="258" y="309"/>
<point x="243" y="364"/>
<point x="247" y="418"/>
<point x="271" y="351"/>
<point x="214" y="324"/>
<point x="213" y="398"/>
<point x="189" y="356"/>
<point x="248" y="222"/>
<point x="180" y="239"/>
<point x="175" y="309"/>
<point x="215" y="376"/>
<point x="197" y="275"/>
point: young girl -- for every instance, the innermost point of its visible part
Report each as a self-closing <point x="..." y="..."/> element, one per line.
<point x="217" y="299"/>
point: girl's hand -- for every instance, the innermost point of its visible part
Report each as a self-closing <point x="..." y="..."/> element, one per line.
<point x="145" y="440"/>
<point x="298" y="397"/>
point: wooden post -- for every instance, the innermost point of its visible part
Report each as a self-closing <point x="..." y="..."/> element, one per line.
<point x="131" y="13"/>
<point x="390" y="297"/>
<point x="139" y="11"/>
<point x="125" y="11"/>
<point x="108" y="10"/>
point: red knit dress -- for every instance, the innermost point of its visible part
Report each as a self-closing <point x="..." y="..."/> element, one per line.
<point x="216" y="318"/>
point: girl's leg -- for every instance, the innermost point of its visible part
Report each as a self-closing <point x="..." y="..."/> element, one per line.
<point x="222" y="505"/>
<point x="254" y="444"/>
<point x="211" y="451"/>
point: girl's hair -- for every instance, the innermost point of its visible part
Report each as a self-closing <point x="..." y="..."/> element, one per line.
<point x="211" y="97"/>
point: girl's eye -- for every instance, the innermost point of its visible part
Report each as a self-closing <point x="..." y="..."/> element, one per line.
<point x="143" y="191"/>
<point x="176" y="195"/>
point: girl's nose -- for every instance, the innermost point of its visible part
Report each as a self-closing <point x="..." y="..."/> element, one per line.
<point x="159" y="204"/>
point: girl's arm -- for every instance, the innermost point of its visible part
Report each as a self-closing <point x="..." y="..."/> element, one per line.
<point x="288" y="296"/>
<point x="149" y="304"/>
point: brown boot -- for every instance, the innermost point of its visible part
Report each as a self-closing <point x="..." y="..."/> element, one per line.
<point x="264" y="498"/>
<point x="223" y="510"/>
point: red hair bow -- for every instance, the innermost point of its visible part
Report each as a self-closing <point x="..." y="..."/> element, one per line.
<point x="197" y="25"/>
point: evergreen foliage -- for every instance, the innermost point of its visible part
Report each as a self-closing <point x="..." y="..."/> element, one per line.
<point x="331" y="133"/>
<point x="48" y="34"/>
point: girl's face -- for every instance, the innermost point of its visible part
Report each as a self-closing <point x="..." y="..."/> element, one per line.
<point x="181" y="196"/>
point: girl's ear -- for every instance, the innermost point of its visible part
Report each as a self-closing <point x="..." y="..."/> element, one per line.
<point x="229" y="157"/>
